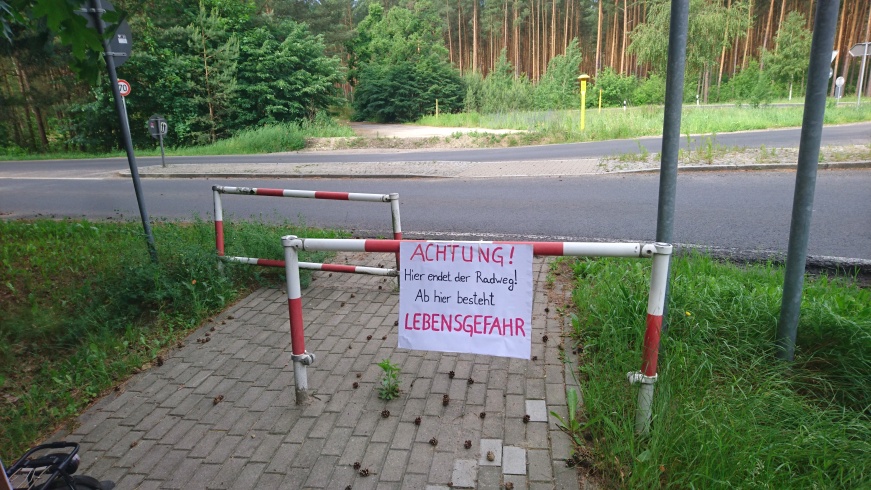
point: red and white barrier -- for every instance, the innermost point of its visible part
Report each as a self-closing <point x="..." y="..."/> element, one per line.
<point x="349" y="269"/>
<point x="392" y="198"/>
<point x="660" y="252"/>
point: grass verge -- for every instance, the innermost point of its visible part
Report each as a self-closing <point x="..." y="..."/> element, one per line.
<point x="563" y="126"/>
<point x="84" y="307"/>
<point x="726" y="413"/>
<point x="268" y="139"/>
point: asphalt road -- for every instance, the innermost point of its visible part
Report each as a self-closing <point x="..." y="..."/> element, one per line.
<point x="850" y="134"/>
<point x="747" y="211"/>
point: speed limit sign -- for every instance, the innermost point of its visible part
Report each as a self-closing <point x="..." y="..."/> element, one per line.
<point x="123" y="87"/>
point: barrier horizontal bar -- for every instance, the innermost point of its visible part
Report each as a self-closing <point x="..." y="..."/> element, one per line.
<point x="336" y="196"/>
<point x="559" y="249"/>
<point x="348" y="269"/>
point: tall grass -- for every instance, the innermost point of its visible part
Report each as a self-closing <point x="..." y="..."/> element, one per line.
<point x="726" y="413"/>
<point x="564" y="126"/>
<point x="84" y="307"/>
<point x="267" y="139"/>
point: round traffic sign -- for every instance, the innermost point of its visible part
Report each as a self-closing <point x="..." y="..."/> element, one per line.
<point x="123" y="87"/>
<point x="839" y="81"/>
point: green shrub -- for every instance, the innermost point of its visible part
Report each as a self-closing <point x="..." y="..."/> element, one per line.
<point x="650" y="91"/>
<point x="615" y="88"/>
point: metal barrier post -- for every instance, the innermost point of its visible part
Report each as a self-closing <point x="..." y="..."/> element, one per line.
<point x="219" y="221"/>
<point x="300" y="357"/>
<point x="397" y="226"/>
<point x="655" y="307"/>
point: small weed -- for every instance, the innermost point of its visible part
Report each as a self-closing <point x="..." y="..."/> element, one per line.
<point x="571" y="425"/>
<point x="389" y="388"/>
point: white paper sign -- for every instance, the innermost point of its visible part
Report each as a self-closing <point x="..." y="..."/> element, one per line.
<point x="471" y="297"/>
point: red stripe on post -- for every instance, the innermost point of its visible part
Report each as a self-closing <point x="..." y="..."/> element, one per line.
<point x="381" y="246"/>
<point x="270" y="263"/>
<point x="297" y="339"/>
<point x="337" y="196"/>
<point x="338" y="268"/>
<point x="651" y="345"/>
<point x="270" y="192"/>
<point x="541" y="248"/>
<point x="219" y="237"/>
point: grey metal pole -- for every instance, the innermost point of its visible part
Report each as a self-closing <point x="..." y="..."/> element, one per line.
<point x="125" y="130"/>
<point x="162" y="158"/>
<point x="674" y="85"/>
<point x="861" y="76"/>
<point x="825" y="21"/>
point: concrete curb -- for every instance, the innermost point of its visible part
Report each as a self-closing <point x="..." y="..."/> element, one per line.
<point x="315" y="174"/>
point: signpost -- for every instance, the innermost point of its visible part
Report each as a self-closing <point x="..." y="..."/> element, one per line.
<point x="118" y="48"/>
<point x="157" y="127"/>
<point x="470" y="297"/>
<point x="863" y="50"/>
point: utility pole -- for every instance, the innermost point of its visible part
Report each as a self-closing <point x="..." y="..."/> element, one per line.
<point x="825" y="21"/>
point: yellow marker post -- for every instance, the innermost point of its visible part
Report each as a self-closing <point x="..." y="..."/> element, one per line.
<point x="582" y="80"/>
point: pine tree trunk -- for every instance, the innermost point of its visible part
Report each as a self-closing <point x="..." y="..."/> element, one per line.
<point x="19" y="72"/>
<point x="852" y="34"/>
<point x="868" y="39"/>
<point x="767" y="33"/>
<point x="623" y="40"/>
<point x="16" y="123"/>
<point x="474" y="36"/>
<point x="749" y="37"/>
<point x="599" y="42"/>
<point x="460" y="34"/>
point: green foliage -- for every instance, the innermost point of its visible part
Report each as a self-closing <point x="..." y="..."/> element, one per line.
<point x="389" y="388"/>
<point x="650" y="91"/>
<point x="789" y="61"/>
<point x="84" y="306"/>
<point x="558" y="88"/>
<point x="712" y="27"/>
<point x="500" y="91"/>
<point x="615" y="88"/>
<point x="725" y="409"/>
<point x="571" y="424"/>
<point x="750" y="85"/>
<point x="403" y="67"/>
<point x="284" y="75"/>
<point x="406" y="91"/>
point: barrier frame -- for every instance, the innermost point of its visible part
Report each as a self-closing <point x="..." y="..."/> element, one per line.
<point x="646" y="377"/>
<point x="392" y="198"/>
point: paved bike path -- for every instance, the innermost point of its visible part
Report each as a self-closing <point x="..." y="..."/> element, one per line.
<point x="220" y="413"/>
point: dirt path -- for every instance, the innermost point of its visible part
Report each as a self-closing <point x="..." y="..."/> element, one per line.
<point x="371" y="130"/>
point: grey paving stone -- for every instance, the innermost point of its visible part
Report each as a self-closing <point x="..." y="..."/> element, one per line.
<point x="513" y="460"/>
<point x="394" y="466"/>
<point x="464" y="474"/>
<point x="321" y="472"/>
<point x="519" y="481"/>
<point x="226" y="476"/>
<point x="540" y="465"/>
<point x="488" y="445"/>
<point x="537" y="410"/>
<point x="489" y="477"/>
<point x="442" y="468"/>
<point x="564" y="477"/>
<point x="308" y="453"/>
<point x="283" y="458"/>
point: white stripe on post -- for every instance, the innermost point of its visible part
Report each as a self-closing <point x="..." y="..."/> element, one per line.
<point x="294" y="306"/>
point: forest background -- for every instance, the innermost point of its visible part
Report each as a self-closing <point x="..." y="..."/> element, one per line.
<point x="215" y="68"/>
